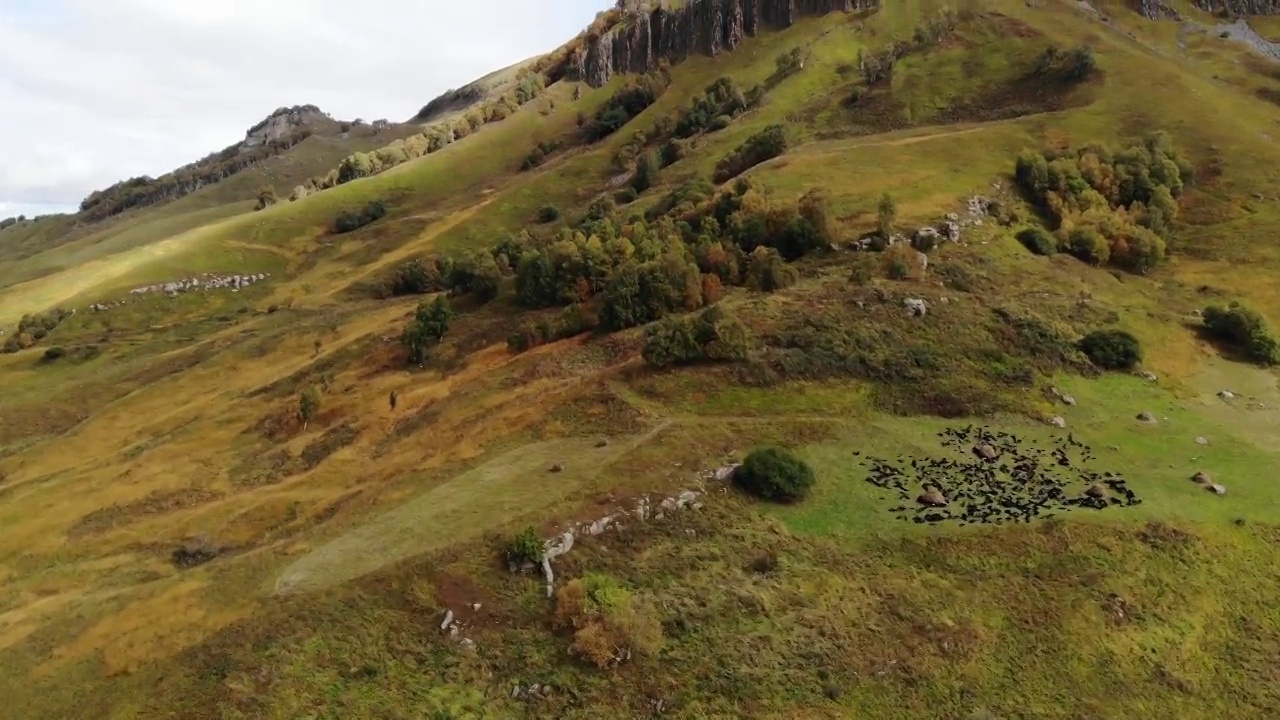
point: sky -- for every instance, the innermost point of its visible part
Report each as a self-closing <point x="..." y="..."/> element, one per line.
<point x="96" y="91"/>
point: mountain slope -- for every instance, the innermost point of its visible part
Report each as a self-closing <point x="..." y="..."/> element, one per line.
<point x="210" y="549"/>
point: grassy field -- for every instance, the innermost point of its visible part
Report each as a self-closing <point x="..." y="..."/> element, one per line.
<point x="172" y="425"/>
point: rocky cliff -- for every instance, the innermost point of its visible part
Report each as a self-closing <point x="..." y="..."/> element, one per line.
<point x="1241" y="7"/>
<point x="1157" y="10"/>
<point x="283" y="122"/>
<point x="643" y="37"/>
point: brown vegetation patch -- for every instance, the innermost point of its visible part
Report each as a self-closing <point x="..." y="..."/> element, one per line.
<point x="258" y="470"/>
<point x="157" y="503"/>
<point x="333" y="440"/>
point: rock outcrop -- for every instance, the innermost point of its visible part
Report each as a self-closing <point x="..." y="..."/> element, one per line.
<point x="1241" y="7"/>
<point x="282" y="123"/>
<point x="1157" y="10"/>
<point x="643" y="37"/>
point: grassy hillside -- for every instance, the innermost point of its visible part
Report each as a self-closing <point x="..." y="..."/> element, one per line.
<point x="181" y="539"/>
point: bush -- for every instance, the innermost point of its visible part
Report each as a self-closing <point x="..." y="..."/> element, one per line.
<point x="1112" y="349"/>
<point x="607" y="620"/>
<point x="768" y="272"/>
<point x="526" y="547"/>
<point x="1038" y="240"/>
<point x="764" y="145"/>
<point x="774" y="474"/>
<point x="712" y="334"/>
<point x="1245" y="329"/>
<point x="625" y="104"/>
<point x="414" y="277"/>
<point x="54" y="354"/>
<point x="348" y="221"/>
<point x="548" y="214"/>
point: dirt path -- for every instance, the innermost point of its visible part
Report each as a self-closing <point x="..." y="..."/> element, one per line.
<point x="416" y="245"/>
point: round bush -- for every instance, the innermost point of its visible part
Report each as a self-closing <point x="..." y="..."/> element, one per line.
<point x="1112" y="349"/>
<point x="774" y="474"/>
<point x="1038" y="241"/>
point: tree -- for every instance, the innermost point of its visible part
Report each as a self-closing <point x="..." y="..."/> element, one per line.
<point x="308" y="405"/>
<point x="430" y="323"/>
<point x="266" y="197"/>
<point x="886" y="214"/>
<point x="646" y="172"/>
<point x="775" y="474"/>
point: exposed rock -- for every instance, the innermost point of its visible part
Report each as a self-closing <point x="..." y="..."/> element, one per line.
<point x="645" y="36"/>
<point x="1058" y="422"/>
<point x="932" y="498"/>
<point x="1227" y="395"/>
<point x="448" y="620"/>
<point x="1149" y="376"/>
<point x="1240" y="31"/>
<point x="1241" y="7"/>
<point x="1097" y="492"/>
<point x="1157" y="10"/>
<point x="1202" y="478"/>
<point x="916" y="307"/>
<point x="282" y="122"/>
<point x="1217" y="489"/>
<point x="557" y="468"/>
<point x="1146" y="417"/>
<point x="1202" y="441"/>
<point x="986" y="452"/>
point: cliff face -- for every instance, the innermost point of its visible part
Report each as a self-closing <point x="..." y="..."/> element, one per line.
<point x="642" y="38"/>
<point x="282" y="123"/>
<point x="1241" y="7"/>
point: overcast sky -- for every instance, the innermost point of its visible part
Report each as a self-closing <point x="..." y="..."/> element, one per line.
<point x="94" y="91"/>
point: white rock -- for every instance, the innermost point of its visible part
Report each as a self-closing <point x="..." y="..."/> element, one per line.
<point x="1058" y="422"/>
<point x="448" y="620"/>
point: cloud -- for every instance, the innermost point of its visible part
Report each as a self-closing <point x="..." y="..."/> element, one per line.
<point x="96" y="91"/>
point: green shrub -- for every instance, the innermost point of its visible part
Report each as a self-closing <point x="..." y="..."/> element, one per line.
<point x="526" y="547"/>
<point x="1112" y="349"/>
<point x="764" y="145"/>
<point x="774" y="474"/>
<point x="1038" y="240"/>
<point x="1244" y="329"/>
<point x="625" y="104"/>
<point x="354" y="220"/>
<point x="713" y="334"/>
<point x="548" y="214"/>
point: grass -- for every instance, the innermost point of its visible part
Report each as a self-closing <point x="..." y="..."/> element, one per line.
<point x="184" y="428"/>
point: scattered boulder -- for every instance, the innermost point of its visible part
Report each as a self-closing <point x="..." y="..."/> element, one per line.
<point x="1060" y="396"/>
<point x="932" y="498"/>
<point x="986" y="452"/>
<point x="557" y="468"/>
<point x="1146" y="417"/>
<point x="1202" y="478"/>
<point x="1217" y="489"/>
<point x="1202" y="441"/>
<point x="602" y="443"/>
<point x="916" y="307"/>
<point x="1058" y="422"/>
<point x="1227" y="395"/>
<point x="448" y="620"/>
<point x="1149" y="376"/>
<point x="1097" y="492"/>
